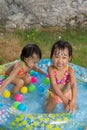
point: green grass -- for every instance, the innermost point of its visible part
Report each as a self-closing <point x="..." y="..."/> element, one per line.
<point x="46" y="38"/>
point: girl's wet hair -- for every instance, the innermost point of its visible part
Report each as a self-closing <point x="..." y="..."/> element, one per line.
<point x="29" y="50"/>
<point x="61" y="45"/>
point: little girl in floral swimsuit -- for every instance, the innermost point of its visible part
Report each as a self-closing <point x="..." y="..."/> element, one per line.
<point x="62" y="79"/>
<point x="18" y="72"/>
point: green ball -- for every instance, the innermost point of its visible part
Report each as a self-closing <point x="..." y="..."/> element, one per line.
<point x="6" y="76"/>
<point x="31" y="72"/>
<point x="46" y="80"/>
<point x="31" y="88"/>
<point x="15" y="104"/>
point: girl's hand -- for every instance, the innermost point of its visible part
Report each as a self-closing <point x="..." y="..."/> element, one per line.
<point x="67" y="108"/>
<point x="66" y="104"/>
<point x="72" y="105"/>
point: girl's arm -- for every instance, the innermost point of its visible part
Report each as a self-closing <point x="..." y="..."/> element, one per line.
<point x="73" y="84"/>
<point x="73" y="89"/>
<point x="11" y="76"/>
<point x="56" y="87"/>
<point x="36" y="68"/>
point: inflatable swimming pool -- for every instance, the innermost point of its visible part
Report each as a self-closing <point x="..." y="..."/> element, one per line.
<point x="29" y="114"/>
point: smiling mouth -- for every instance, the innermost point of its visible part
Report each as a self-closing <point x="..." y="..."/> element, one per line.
<point x="59" y="65"/>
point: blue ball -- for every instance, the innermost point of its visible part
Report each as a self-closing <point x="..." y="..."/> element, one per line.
<point x="41" y="89"/>
<point x="22" y="107"/>
<point x="35" y="74"/>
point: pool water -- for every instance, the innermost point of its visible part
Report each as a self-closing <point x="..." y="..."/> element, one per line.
<point x="33" y="115"/>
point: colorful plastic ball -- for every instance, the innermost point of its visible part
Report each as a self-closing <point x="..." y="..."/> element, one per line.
<point x="47" y="76"/>
<point x="24" y="90"/>
<point x="31" y="72"/>
<point x="18" y="97"/>
<point x="6" y="76"/>
<point x="33" y="79"/>
<point x="6" y="94"/>
<point x="35" y="74"/>
<point x="1" y="82"/>
<point x="16" y="104"/>
<point x="31" y="88"/>
<point x="22" y="107"/>
<point x="41" y="88"/>
<point x="46" y="80"/>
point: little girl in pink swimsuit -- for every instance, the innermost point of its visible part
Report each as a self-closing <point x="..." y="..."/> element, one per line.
<point x="62" y="79"/>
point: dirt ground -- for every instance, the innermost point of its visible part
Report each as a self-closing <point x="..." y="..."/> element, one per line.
<point x="9" y="48"/>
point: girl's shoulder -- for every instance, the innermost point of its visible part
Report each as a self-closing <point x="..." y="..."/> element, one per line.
<point x="50" y="69"/>
<point x="70" y="69"/>
<point x="18" y="64"/>
<point x="12" y="66"/>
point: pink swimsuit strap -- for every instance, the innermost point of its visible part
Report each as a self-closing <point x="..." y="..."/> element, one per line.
<point x="64" y="80"/>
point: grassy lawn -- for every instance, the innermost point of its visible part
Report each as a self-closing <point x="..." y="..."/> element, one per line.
<point x="11" y="43"/>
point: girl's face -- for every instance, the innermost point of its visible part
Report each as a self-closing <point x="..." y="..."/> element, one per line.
<point x="32" y="60"/>
<point x="60" y="58"/>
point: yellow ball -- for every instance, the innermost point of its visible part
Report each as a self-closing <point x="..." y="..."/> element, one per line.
<point x="24" y="90"/>
<point x="6" y="94"/>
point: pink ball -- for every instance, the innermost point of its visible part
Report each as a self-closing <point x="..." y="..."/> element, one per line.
<point x="33" y="79"/>
<point x="47" y="76"/>
<point x="1" y="82"/>
<point x="18" y="97"/>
